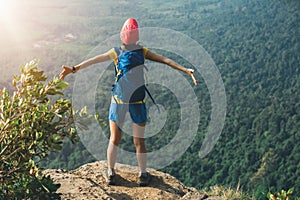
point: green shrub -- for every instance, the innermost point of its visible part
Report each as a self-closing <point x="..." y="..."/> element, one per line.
<point x="283" y="195"/>
<point x="32" y="123"/>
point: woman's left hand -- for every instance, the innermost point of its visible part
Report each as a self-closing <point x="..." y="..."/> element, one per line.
<point x="191" y="73"/>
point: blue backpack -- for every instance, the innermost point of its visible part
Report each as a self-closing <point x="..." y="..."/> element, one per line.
<point x="129" y="87"/>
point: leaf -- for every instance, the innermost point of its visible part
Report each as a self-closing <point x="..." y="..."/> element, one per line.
<point x="2" y="116"/>
<point x="83" y="111"/>
<point x="38" y="76"/>
<point x="271" y="196"/>
<point x="51" y="91"/>
<point x="283" y="194"/>
<point x="38" y="134"/>
<point x="290" y="191"/>
<point x="56" y="147"/>
<point x="14" y="84"/>
<point x="60" y="93"/>
<point x="58" y="115"/>
<point x="45" y="188"/>
<point x="31" y="66"/>
<point x="56" y="138"/>
<point x="61" y="85"/>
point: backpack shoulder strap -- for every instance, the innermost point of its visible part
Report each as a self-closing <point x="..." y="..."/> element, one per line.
<point x="117" y="50"/>
<point x="153" y="101"/>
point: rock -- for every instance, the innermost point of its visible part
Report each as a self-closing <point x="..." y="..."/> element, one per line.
<point x="88" y="182"/>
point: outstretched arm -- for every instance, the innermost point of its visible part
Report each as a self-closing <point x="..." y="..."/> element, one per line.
<point x="67" y="69"/>
<point x="159" y="58"/>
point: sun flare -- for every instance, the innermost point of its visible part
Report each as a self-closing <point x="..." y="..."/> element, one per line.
<point x="6" y="9"/>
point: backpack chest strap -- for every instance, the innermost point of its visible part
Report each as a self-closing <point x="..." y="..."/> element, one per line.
<point x="115" y="99"/>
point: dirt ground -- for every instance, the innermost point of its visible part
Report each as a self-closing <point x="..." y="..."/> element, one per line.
<point x="88" y="182"/>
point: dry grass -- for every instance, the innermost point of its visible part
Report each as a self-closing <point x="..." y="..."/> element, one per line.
<point x="227" y="193"/>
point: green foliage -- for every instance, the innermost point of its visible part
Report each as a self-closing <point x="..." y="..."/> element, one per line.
<point x="283" y="195"/>
<point x="31" y="125"/>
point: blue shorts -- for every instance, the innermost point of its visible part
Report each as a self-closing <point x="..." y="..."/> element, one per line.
<point x="138" y="112"/>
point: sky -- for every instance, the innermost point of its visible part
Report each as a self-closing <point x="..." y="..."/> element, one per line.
<point x="48" y="30"/>
<point x="25" y="28"/>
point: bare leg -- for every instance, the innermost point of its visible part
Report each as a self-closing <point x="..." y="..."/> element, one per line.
<point x="114" y="141"/>
<point x="139" y="142"/>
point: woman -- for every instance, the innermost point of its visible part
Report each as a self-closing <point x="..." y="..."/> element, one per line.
<point x="129" y="36"/>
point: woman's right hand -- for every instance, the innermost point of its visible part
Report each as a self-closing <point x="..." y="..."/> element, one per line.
<point x="66" y="70"/>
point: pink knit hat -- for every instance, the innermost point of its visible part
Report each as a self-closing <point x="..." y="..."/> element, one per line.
<point x="129" y="32"/>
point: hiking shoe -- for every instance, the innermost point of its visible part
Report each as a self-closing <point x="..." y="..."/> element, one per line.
<point x="144" y="178"/>
<point x="111" y="180"/>
<point x="111" y="177"/>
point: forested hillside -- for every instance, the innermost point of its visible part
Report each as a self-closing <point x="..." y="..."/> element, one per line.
<point x="255" y="45"/>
